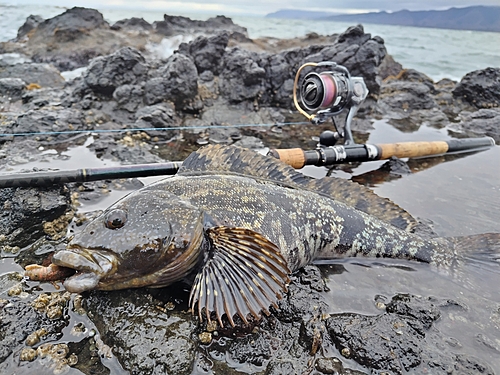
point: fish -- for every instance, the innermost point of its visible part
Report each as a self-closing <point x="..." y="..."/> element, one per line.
<point x="236" y="224"/>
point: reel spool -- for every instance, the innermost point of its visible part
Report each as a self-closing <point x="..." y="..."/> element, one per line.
<point x="325" y="94"/>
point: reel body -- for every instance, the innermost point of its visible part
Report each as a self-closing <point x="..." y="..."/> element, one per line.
<point x="325" y="94"/>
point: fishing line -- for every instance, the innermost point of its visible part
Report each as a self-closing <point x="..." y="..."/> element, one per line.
<point x="152" y="129"/>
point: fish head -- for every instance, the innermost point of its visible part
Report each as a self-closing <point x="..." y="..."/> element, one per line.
<point x="148" y="238"/>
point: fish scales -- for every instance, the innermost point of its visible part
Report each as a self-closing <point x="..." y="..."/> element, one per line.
<point x="234" y="224"/>
<point x="305" y="225"/>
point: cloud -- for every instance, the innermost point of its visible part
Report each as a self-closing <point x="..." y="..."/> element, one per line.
<point x="261" y="7"/>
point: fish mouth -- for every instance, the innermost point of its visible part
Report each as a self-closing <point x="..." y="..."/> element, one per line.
<point x="90" y="265"/>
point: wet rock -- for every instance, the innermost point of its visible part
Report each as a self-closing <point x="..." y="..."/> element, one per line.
<point x="389" y="67"/>
<point x="405" y="96"/>
<point x="129" y="97"/>
<point x="250" y="142"/>
<point x="480" y="88"/>
<point x="43" y="75"/>
<point x="13" y="335"/>
<point x="50" y="119"/>
<point x="400" y="340"/>
<point x="70" y="25"/>
<point x="396" y="167"/>
<point x="206" y="52"/>
<point x="241" y="78"/>
<point x="176" y="24"/>
<point x="177" y="81"/>
<point x="145" y="337"/>
<point x="483" y="122"/>
<point x="158" y="116"/>
<point x="31" y="23"/>
<point x="105" y="74"/>
<point x="12" y="88"/>
<point x="221" y="113"/>
<point x="25" y="210"/>
<point x="132" y="24"/>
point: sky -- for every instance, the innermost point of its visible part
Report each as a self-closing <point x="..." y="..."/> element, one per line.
<point x="262" y="7"/>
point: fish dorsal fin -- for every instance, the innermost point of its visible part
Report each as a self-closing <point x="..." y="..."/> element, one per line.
<point x="237" y="160"/>
<point x="232" y="159"/>
<point x="246" y="274"/>
<point x="364" y="199"/>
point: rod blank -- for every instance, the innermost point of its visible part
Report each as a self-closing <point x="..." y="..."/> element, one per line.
<point x="41" y="179"/>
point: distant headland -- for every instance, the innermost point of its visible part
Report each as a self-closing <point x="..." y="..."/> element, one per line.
<point x="477" y="18"/>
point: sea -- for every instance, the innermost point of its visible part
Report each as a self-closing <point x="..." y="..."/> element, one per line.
<point x="438" y="53"/>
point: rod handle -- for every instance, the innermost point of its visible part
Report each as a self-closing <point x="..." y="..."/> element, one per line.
<point x="412" y="149"/>
<point x="294" y="157"/>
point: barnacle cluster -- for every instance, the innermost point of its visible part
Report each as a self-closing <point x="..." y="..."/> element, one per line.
<point x="56" y="356"/>
<point x="52" y="304"/>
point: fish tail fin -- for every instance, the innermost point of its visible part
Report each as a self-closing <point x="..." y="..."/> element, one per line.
<point x="482" y="250"/>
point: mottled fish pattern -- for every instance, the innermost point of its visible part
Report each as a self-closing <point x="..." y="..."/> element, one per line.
<point x="235" y="223"/>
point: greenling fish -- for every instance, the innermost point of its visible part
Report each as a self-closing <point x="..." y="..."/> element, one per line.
<point x="236" y="224"/>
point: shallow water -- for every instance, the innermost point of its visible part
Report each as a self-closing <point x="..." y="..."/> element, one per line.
<point x="457" y="195"/>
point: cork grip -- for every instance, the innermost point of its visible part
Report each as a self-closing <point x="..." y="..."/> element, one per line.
<point x="294" y="157"/>
<point x="412" y="149"/>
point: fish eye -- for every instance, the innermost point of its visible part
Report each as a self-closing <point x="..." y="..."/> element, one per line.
<point x="116" y="219"/>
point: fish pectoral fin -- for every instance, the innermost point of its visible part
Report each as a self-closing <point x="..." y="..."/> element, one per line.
<point x="245" y="275"/>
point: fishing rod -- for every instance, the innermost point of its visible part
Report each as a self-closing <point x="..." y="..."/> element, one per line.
<point x="323" y="94"/>
<point x="325" y="156"/>
<point x="295" y="157"/>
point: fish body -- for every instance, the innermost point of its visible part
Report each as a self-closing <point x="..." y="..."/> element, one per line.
<point x="239" y="222"/>
<point x="304" y="225"/>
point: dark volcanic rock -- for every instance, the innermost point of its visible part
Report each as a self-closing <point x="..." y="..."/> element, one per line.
<point x="70" y="25"/>
<point x="485" y="122"/>
<point x="25" y="210"/>
<point x="13" y="335"/>
<point x="12" y="88"/>
<point x="31" y="23"/>
<point x="241" y="78"/>
<point x="480" y="88"/>
<point x="105" y="74"/>
<point x="129" y="97"/>
<point x="134" y="23"/>
<point x="53" y="119"/>
<point x="175" y="24"/>
<point x="400" y="340"/>
<point x="177" y="81"/>
<point x="406" y="96"/>
<point x="389" y="67"/>
<point x="206" y="52"/>
<point x="158" y="116"/>
<point x="145" y="337"/>
<point x="43" y="75"/>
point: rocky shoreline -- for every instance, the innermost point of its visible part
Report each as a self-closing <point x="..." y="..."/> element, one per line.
<point x="220" y="77"/>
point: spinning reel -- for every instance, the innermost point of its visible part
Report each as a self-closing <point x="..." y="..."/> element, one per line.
<point x="324" y="94"/>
